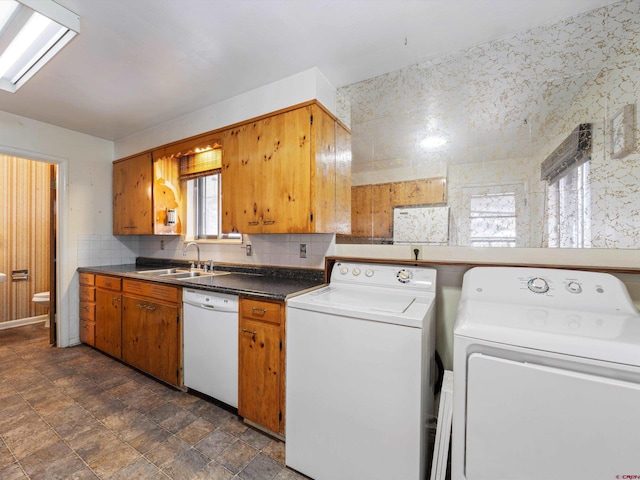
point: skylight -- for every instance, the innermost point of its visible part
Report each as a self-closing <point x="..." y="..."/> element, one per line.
<point x="31" y="33"/>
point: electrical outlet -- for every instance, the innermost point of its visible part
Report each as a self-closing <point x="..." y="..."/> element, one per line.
<point x="303" y="250"/>
<point x="416" y="252"/>
<point x="249" y="250"/>
<point x="161" y="244"/>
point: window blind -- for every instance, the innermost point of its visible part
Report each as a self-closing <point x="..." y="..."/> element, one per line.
<point x="201" y="164"/>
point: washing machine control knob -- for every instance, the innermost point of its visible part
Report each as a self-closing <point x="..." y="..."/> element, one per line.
<point x="344" y="270"/>
<point x="538" y="285"/>
<point x="404" y="276"/>
<point x="574" y="287"/>
<point x="355" y="272"/>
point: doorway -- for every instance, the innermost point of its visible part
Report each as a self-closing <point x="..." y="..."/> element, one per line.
<point x="28" y="241"/>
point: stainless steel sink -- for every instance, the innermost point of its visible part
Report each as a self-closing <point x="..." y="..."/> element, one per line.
<point x="180" y="273"/>
<point x="161" y="271"/>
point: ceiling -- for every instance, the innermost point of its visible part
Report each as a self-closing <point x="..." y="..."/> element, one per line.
<point x="139" y="63"/>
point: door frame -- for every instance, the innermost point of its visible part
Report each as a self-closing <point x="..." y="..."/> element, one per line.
<point x="63" y="280"/>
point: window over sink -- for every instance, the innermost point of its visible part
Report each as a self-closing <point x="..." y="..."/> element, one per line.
<point x="201" y="172"/>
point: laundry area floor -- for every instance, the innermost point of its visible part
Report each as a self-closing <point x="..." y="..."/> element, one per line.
<point x="76" y="413"/>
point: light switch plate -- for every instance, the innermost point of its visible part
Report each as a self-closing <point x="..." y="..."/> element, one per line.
<point x="303" y="250"/>
<point x="249" y="250"/>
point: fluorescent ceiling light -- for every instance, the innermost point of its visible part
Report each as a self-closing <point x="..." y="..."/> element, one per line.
<point x="31" y="33"/>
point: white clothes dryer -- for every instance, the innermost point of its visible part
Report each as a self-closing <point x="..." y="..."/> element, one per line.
<point x="546" y="376"/>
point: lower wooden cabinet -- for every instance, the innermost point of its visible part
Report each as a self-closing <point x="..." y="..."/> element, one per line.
<point x="261" y="363"/>
<point x="151" y="337"/>
<point x="109" y="315"/>
<point x="87" y="295"/>
<point x="135" y="321"/>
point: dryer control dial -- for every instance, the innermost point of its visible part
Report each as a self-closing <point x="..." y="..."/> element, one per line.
<point x="538" y="285"/>
<point x="404" y="276"/>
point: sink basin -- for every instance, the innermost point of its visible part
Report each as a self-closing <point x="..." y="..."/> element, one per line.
<point x="162" y="271"/>
<point x="179" y="273"/>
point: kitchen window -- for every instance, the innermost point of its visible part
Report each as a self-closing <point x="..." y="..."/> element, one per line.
<point x="201" y="171"/>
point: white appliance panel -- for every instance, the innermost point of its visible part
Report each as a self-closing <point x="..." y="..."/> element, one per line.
<point x="547" y="376"/>
<point x="341" y="374"/>
<point x="516" y="412"/>
<point x="210" y="339"/>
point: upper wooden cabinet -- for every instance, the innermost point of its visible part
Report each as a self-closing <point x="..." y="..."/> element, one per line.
<point x="132" y="197"/>
<point x="287" y="173"/>
<point x="145" y="188"/>
<point x="372" y="205"/>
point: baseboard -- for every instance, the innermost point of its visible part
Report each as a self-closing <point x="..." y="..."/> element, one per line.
<point x="23" y="321"/>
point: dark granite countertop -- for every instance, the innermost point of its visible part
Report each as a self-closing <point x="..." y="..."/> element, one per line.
<point x="269" y="283"/>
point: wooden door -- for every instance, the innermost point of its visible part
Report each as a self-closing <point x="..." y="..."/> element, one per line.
<point x="361" y="211"/>
<point x="259" y="373"/>
<point x="382" y="211"/>
<point x="232" y="182"/>
<point x="109" y="322"/>
<point x="253" y="179"/>
<point x="150" y="337"/>
<point x="287" y="199"/>
<point x="132" y="196"/>
<point x="323" y="186"/>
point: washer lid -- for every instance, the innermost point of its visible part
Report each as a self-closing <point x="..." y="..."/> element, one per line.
<point x="375" y="304"/>
<point x="612" y="337"/>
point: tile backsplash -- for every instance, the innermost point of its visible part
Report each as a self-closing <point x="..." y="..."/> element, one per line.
<point x="271" y="250"/>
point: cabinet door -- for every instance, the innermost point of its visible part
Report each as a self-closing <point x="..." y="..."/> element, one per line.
<point x="251" y="148"/>
<point x="361" y="214"/>
<point x="382" y="211"/>
<point x="259" y="373"/>
<point x="108" y="322"/>
<point x="286" y="203"/>
<point x="232" y="182"/>
<point x="132" y="202"/>
<point x="150" y="338"/>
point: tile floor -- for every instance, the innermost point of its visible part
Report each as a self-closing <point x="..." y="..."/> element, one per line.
<point x="76" y="413"/>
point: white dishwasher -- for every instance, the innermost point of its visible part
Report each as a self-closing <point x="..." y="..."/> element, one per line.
<point x="210" y="339"/>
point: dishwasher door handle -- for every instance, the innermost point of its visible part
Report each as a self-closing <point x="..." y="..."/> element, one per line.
<point x="216" y="308"/>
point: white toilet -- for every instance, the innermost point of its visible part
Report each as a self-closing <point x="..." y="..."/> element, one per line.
<point x="42" y="298"/>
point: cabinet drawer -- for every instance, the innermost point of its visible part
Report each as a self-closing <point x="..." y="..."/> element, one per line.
<point x="153" y="290"/>
<point x="87" y="311"/>
<point x="88" y="294"/>
<point x="261" y="310"/>
<point x="111" y="283"/>
<point x="87" y="279"/>
<point x="88" y="332"/>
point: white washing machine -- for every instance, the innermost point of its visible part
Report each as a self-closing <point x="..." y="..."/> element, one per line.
<point x="546" y="377"/>
<point x="360" y="374"/>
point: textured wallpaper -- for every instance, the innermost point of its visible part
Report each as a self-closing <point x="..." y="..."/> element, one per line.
<point x="486" y="117"/>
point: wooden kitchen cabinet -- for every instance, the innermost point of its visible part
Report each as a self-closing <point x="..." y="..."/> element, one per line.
<point x="108" y="315"/>
<point x="87" y="294"/>
<point x="284" y="173"/>
<point x="132" y="196"/>
<point x="372" y="205"/>
<point x="151" y="326"/>
<point x="145" y="187"/>
<point x="261" y="363"/>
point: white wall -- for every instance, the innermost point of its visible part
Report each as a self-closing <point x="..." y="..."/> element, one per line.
<point x="84" y="196"/>
<point x="308" y="85"/>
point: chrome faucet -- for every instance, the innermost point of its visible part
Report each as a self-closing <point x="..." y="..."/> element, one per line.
<point x="184" y="252"/>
